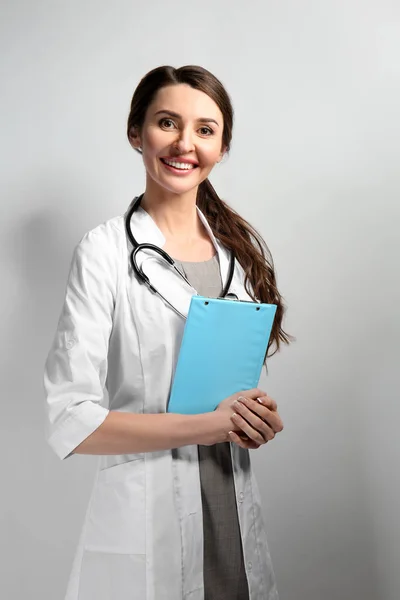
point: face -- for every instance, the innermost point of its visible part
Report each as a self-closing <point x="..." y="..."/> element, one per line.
<point x="181" y="138"/>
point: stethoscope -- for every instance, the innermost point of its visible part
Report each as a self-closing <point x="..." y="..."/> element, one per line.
<point x="165" y="256"/>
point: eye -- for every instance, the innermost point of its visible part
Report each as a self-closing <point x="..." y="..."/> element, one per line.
<point x="206" y="131"/>
<point x="166" y="123"/>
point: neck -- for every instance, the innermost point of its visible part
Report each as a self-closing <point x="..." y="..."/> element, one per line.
<point x="174" y="214"/>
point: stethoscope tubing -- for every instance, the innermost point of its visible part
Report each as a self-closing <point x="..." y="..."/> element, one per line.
<point x="164" y="255"/>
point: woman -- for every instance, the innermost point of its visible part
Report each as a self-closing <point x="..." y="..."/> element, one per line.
<point x="175" y="511"/>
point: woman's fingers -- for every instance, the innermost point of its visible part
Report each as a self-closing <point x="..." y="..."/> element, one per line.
<point x="253" y="394"/>
<point x="254" y="422"/>
<point x="255" y="416"/>
<point x="262" y="408"/>
<point x="243" y="441"/>
<point x="253" y="433"/>
<point x="267" y="401"/>
<point x="260" y="396"/>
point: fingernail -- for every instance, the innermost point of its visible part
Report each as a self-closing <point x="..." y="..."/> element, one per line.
<point x="259" y="400"/>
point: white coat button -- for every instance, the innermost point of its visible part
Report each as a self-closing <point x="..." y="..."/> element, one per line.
<point x="241" y="496"/>
<point x="249" y="566"/>
<point x="70" y="344"/>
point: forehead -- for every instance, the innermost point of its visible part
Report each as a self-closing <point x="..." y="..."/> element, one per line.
<point x="188" y="102"/>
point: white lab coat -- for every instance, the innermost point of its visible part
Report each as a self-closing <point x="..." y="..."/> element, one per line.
<point x="115" y="348"/>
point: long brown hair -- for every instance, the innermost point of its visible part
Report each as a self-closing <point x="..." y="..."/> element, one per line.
<point x="234" y="232"/>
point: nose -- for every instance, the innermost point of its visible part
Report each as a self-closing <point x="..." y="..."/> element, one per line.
<point x="184" y="142"/>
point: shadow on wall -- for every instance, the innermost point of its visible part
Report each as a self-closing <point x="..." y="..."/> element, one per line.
<point x="36" y="251"/>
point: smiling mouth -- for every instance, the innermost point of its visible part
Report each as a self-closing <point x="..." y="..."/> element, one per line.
<point x="181" y="166"/>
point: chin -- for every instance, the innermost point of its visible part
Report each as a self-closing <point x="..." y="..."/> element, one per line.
<point x="179" y="187"/>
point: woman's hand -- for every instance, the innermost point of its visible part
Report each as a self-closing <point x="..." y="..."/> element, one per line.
<point x="255" y="418"/>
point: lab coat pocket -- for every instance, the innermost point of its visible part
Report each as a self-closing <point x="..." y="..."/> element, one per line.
<point x="115" y="521"/>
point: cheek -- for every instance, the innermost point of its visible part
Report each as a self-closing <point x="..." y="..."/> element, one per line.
<point x="209" y="152"/>
<point x="152" y="143"/>
<point x="209" y="157"/>
<point x="153" y="146"/>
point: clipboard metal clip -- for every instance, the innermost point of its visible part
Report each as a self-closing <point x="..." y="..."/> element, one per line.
<point x="234" y="297"/>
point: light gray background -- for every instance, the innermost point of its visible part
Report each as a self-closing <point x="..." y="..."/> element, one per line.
<point x="314" y="164"/>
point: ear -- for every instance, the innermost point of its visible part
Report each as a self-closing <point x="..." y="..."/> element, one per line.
<point x="134" y="138"/>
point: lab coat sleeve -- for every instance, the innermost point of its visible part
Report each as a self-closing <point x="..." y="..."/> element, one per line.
<point x="76" y="367"/>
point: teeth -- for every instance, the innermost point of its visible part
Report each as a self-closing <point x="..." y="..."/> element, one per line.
<point x="178" y="165"/>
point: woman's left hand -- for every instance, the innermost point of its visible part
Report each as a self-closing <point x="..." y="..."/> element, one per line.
<point x="258" y="419"/>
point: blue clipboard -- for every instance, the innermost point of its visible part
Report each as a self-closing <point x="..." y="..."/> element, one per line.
<point x="223" y="349"/>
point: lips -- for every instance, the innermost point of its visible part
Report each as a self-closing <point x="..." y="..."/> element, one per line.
<point x="180" y="165"/>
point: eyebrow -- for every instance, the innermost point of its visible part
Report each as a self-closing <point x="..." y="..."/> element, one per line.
<point x="178" y="116"/>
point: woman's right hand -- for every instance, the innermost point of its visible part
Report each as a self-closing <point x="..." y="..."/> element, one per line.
<point x="253" y="418"/>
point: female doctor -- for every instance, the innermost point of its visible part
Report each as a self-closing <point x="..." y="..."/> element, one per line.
<point x="175" y="511"/>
